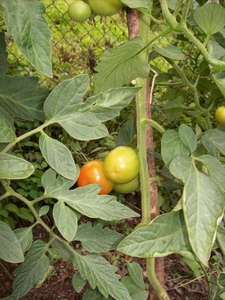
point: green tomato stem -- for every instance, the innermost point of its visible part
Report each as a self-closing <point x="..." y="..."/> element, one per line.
<point x="185" y="12"/>
<point x="141" y="130"/>
<point x="161" y="293"/>
<point x="25" y="135"/>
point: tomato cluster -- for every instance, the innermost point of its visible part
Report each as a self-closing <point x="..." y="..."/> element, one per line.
<point x="80" y="11"/>
<point x="118" y="171"/>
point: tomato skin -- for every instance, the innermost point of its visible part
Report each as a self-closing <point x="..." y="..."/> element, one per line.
<point x="79" y="11"/>
<point x="129" y="187"/>
<point x="220" y="115"/>
<point x="92" y="173"/>
<point x="121" y="165"/>
<point x="105" y="7"/>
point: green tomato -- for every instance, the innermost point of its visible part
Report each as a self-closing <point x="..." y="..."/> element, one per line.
<point x="121" y="165"/>
<point x="79" y="11"/>
<point x="105" y="7"/>
<point x="125" y="188"/>
<point x="220" y="115"/>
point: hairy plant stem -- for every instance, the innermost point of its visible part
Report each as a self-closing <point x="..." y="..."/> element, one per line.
<point x="185" y="12"/>
<point x="141" y="98"/>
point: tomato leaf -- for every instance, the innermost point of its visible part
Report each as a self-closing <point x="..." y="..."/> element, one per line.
<point x="210" y="17"/>
<point x="24" y="236"/>
<point x="21" y="98"/>
<point x="166" y="234"/>
<point x="171" y="52"/>
<point x="85" y="199"/>
<point x="83" y="119"/>
<point x="135" y="291"/>
<point x="215" y="169"/>
<point x="10" y="249"/>
<point x="97" y="270"/>
<point x="188" y="137"/>
<point x="213" y="140"/>
<point x="203" y="205"/>
<point x="99" y="273"/>
<point x="67" y="253"/>
<point x="108" y="104"/>
<point x="126" y="133"/>
<point x="12" y="167"/>
<point x="78" y="283"/>
<point x="171" y="146"/>
<point x="125" y="66"/>
<point x="66" y="98"/>
<point x="33" y="269"/>
<point x="97" y="239"/>
<point x="53" y="184"/>
<point x="30" y="32"/>
<point x="136" y="273"/>
<point x="7" y="130"/>
<point x="65" y="220"/>
<point x="58" y="156"/>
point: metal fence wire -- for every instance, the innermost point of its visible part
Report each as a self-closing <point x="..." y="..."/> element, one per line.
<point x="75" y="47"/>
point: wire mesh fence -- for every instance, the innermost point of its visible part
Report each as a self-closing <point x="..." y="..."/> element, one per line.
<point x="75" y="47"/>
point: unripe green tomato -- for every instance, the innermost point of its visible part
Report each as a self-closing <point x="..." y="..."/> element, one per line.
<point x="121" y="165"/>
<point x="125" y="188"/>
<point x="105" y="7"/>
<point x="220" y="115"/>
<point x="79" y="11"/>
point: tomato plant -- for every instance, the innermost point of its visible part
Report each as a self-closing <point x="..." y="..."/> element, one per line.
<point x="121" y="165"/>
<point x="92" y="173"/>
<point x="129" y="187"/>
<point x="105" y="7"/>
<point x="220" y="115"/>
<point x="192" y="79"/>
<point x="79" y="11"/>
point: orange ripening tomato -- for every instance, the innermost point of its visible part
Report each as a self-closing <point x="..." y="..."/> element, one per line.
<point x="92" y="173"/>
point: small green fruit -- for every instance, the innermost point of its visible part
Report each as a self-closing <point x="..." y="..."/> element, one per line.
<point x="105" y="7"/>
<point x="79" y="11"/>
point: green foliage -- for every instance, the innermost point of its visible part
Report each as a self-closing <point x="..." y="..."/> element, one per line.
<point x="52" y="166"/>
<point x="30" y="33"/>
<point x="202" y="205"/>
<point x="10" y="250"/>
<point x="189" y="152"/>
